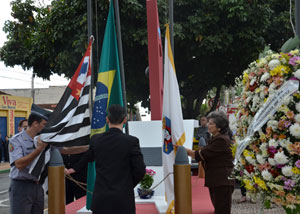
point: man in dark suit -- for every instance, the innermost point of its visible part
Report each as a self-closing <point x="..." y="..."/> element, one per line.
<point x="119" y="166"/>
<point x="73" y="191"/>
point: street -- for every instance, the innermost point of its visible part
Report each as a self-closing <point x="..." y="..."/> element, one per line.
<point x="4" y="200"/>
<point x="4" y="186"/>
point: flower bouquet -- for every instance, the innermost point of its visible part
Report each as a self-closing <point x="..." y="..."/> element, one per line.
<point x="144" y="191"/>
<point x="269" y="166"/>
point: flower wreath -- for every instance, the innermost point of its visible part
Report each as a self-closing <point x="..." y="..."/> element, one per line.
<point x="270" y="164"/>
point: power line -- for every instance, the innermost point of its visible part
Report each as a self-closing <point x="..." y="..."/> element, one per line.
<point x="14" y="71"/>
<point x="22" y="80"/>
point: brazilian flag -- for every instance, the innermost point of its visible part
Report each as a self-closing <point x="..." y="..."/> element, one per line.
<point x="108" y="91"/>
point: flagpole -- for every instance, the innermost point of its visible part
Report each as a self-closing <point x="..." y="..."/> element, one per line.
<point x="297" y="17"/>
<point x="120" y="50"/>
<point x="90" y="32"/>
<point x="171" y="22"/>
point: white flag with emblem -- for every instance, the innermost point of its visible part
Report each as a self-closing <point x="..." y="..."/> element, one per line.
<point x="173" y="129"/>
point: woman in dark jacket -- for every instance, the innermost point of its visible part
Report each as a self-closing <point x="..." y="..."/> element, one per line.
<point x="217" y="159"/>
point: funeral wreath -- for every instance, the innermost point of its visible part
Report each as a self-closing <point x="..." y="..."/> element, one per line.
<point x="269" y="119"/>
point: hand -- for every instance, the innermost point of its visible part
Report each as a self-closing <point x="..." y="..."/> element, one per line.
<point x="40" y="144"/>
<point x="69" y="171"/>
<point x="190" y="152"/>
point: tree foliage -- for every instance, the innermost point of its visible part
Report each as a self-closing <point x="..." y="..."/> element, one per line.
<point x="214" y="41"/>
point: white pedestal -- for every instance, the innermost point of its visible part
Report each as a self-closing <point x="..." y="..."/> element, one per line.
<point x="150" y="135"/>
<point x="159" y="201"/>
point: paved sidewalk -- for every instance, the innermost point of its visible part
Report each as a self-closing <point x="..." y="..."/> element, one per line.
<point x="4" y="167"/>
<point x="250" y="208"/>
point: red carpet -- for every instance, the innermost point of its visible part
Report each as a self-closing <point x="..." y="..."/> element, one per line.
<point x="200" y="201"/>
<point x="200" y="197"/>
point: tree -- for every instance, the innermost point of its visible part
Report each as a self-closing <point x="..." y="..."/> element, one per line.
<point x="214" y="40"/>
<point x="222" y="37"/>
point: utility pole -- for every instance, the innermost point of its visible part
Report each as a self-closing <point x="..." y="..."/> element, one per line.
<point x="32" y="86"/>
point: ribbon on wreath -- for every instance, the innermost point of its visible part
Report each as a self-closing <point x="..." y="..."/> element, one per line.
<point x="266" y="112"/>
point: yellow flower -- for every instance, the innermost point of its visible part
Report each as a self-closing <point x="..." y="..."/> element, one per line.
<point x="233" y="149"/>
<point x="283" y="108"/>
<point x="262" y="137"/>
<point x="280" y="70"/>
<point x="257" y="90"/>
<point x="285" y="56"/>
<point x="247" y="153"/>
<point x="296" y="51"/>
<point x="260" y="183"/>
<point x="295" y="170"/>
<point x="297" y="95"/>
<point x="245" y="78"/>
<point x="248" y="185"/>
<point x="275" y="56"/>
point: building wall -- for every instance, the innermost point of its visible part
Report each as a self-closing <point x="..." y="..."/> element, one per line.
<point x="49" y="95"/>
<point x="12" y="110"/>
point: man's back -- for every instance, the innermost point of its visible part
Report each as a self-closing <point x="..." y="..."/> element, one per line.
<point x="119" y="168"/>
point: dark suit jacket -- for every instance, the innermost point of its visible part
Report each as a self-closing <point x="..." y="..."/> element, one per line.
<point x="119" y="168"/>
<point x="217" y="160"/>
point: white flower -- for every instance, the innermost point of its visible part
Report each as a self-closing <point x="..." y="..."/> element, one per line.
<point x="263" y="149"/>
<point x="265" y="76"/>
<point x="273" y="143"/>
<point x="272" y="86"/>
<point x="287" y="171"/>
<point x="274" y="63"/>
<point x="266" y="175"/>
<point x="260" y="159"/>
<point x="297" y="74"/>
<point x="284" y="143"/>
<point x="283" y="60"/>
<point x="263" y="146"/>
<point x="287" y="100"/>
<point x="262" y="95"/>
<point x="255" y="100"/>
<point x="246" y="173"/>
<point x="253" y="81"/>
<point x="248" y="99"/>
<point x="297" y="118"/>
<point x="275" y="56"/>
<point x="261" y="63"/>
<point x="273" y="124"/>
<point x="298" y="107"/>
<point x="250" y="159"/>
<point x="265" y="153"/>
<point x="295" y="130"/>
<point x="280" y="158"/>
<point x="271" y="161"/>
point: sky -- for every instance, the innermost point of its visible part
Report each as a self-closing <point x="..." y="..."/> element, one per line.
<point x="16" y="77"/>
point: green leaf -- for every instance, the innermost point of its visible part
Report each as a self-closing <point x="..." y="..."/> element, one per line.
<point x="291" y="44"/>
<point x="267" y="204"/>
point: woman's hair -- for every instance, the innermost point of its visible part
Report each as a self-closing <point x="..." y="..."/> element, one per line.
<point x="221" y="121"/>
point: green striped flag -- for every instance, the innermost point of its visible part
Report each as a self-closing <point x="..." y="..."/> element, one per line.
<point x="108" y="92"/>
